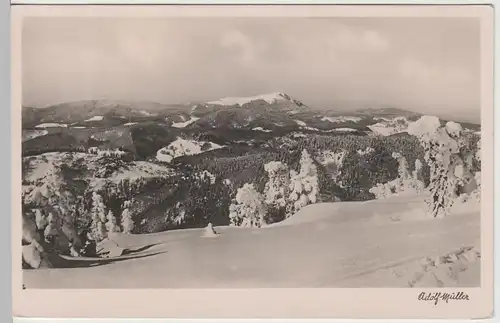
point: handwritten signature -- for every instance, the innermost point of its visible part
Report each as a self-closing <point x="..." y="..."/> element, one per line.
<point x="445" y="297"/>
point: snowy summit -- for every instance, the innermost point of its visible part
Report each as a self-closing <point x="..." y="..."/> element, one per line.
<point x="269" y="98"/>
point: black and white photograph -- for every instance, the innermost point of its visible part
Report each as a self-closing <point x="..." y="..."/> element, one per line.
<point x="251" y="152"/>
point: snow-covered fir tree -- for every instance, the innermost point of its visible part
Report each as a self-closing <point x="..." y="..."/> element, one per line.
<point x="127" y="221"/>
<point x="53" y="226"/>
<point x="403" y="184"/>
<point x="403" y="171"/>
<point x="304" y="188"/>
<point x="440" y="144"/>
<point x="277" y="188"/>
<point x="408" y="182"/>
<point x="40" y="219"/>
<point x="417" y="182"/>
<point x="382" y="191"/>
<point x="248" y="209"/>
<point x="456" y="176"/>
<point x="476" y="194"/>
<point x="417" y="173"/>
<point x="478" y="152"/>
<point x="209" y="231"/>
<point x="98" y="211"/>
<point x="111" y="224"/>
<point x="477" y="176"/>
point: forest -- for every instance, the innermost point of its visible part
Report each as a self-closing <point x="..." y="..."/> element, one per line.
<point x="254" y="183"/>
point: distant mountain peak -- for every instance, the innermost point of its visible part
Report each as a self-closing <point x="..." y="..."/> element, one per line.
<point x="270" y="98"/>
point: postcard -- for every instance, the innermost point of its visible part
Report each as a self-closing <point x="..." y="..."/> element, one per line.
<point x="230" y="161"/>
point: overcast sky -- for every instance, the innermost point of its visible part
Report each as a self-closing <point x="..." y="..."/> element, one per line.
<point x="422" y="64"/>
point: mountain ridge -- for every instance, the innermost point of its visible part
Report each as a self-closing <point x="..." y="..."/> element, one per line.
<point x="275" y="105"/>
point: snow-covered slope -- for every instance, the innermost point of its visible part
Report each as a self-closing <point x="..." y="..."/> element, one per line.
<point x="43" y="173"/>
<point x="300" y="123"/>
<point x="261" y="129"/>
<point x="342" y="130"/>
<point x="351" y="244"/>
<point x="269" y="98"/>
<point x="30" y="134"/>
<point x="137" y="170"/>
<point x="184" y="124"/>
<point x="183" y="147"/>
<point x="94" y="110"/>
<point x="388" y="126"/>
<point x="95" y="118"/>
<point x="341" y="119"/>
<point x="51" y="125"/>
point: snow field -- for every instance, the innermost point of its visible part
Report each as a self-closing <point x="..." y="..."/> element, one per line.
<point x="323" y="245"/>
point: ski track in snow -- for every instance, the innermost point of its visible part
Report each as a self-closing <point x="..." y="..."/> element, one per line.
<point x="345" y="245"/>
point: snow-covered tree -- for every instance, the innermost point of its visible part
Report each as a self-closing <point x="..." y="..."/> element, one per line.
<point x="381" y="191"/>
<point x="417" y="173"/>
<point x="454" y="130"/>
<point x="457" y="175"/>
<point x="72" y="251"/>
<point x="477" y="176"/>
<point x="478" y="152"/>
<point x="111" y="225"/>
<point x="440" y="144"/>
<point x="476" y="194"/>
<point x="40" y="219"/>
<point x="403" y="171"/>
<point x="177" y="215"/>
<point x="53" y="226"/>
<point x="248" y="209"/>
<point x="304" y="184"/>
<point x="210" y="231"/>
<point x="276" y="189"/>
<point x="127" y="221"/>
<point x="410" y="183"/>
<point x="98" y="211"/>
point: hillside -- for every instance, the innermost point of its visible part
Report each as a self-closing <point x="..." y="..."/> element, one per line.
<point x="100" y="112"/>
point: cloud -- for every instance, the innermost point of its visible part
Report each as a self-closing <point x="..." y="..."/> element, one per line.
<point x="242" y="46"/>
